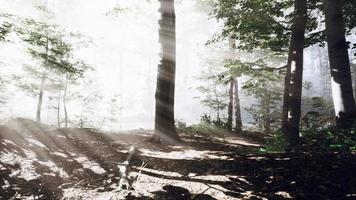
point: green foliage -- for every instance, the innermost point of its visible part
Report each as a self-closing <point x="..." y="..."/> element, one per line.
<point x="344" y="141"/>
<point x="255" y="23"/>
<point x="180" y="125"/>
<point x="206" y="126"/>
<point x="276" y="143"/>
<point x="317" y="113"/>
<point x="330" y="139"/>
<point x="5" y="29"/>
<point x="51" y="47"/>
<point x="88" y="110"/>
<point x="266" y="24"/>
<point x="47" y="44"/>
<point x="265" y="85"/>
<point x="214" y="94"/>
<point x="327" y="139"/>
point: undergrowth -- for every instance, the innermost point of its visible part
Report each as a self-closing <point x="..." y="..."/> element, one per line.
<point x="327" y="139"/>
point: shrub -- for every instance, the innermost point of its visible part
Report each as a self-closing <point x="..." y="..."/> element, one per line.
<point x="205" y="126"/>
<point x="276" y="143"/>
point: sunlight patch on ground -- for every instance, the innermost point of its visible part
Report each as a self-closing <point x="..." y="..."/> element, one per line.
<point x="251" y="195"/>
<point x="59" y="154"/>
<point x="61" y="136"/>
<point x="212" y="177"/>
<point x="189" y="154"/>
<point x="282" y="158"/>
<point x="54" y="168"/>
<point x="236" y="141"/>
<point x="36" y="142"/>
<point x="6" y="141"/>
<point x="242" y="179"/>
<point x="93" y="166"/>
<point x="284" y="194"/>
<point x="78" y="193"/>
<point x="257" y="158"/>
<point x="161" y="173"/>
<point x="26" y="171"/>
<point x="72" y="154"/>
<point x="30" y="154"/>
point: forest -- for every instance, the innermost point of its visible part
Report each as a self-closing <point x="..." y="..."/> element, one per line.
<point x="177" y="99"/>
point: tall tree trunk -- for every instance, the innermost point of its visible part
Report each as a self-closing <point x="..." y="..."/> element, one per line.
<point x="267" y="119"/>
<point x="58" y="109"/>
<point x="294" y="76"/>
<point x="232" y="44"/>
<point x="65" y="104"/>
<point x="286" y="94"/>
<point x="218" y="112"/>
<point x="40" y="99"/>
<point x="238" y="121"/>
<point x="81" y="119"/>
<point x="217" y="100"/>
<point x="230" y="106"/>
<point x="164" y="119"/>
<point x="341" y="83"/>
<point x="353" y="67"/>
<point x="43" y="79"/>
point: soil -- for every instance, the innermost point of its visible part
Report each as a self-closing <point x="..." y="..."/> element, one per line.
<point x="41" y="162"/>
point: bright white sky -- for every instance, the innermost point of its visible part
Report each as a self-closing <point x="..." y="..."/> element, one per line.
<point x="124" y="53"/>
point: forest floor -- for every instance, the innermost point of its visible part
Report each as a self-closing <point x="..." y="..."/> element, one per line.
<point x="40" y="162"/>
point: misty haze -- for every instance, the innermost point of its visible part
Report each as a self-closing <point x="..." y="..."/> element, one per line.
<point x="177" y="99"/>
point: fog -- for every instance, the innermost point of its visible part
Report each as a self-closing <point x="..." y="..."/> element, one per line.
<point x="122" y="47"/>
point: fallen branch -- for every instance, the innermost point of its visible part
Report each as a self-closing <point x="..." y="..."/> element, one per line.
<point x="125" y="182"/>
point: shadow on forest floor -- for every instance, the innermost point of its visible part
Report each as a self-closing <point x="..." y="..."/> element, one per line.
<point x="37" y="160"/>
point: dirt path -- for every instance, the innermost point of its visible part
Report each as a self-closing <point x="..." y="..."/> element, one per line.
<point x="82" y="164"/>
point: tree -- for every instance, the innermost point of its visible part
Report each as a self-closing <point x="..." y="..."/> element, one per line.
<point x="46" y="45"/>
<point x="294" y="76"/>
<point x="344" y="102"/>
<point x="56" y="88"/>
<point x="164" y="119"/>
<point x="214" y="96"/>
<point x="231" y="103"/>
<point x="71" y="78"/>
<point x="231" y="90"/>
<point x="114" y="111"/>
<point x="266" y="87"/>
<point x="86" y="97"/>
<point x="266" y="25"/>
<point x="257" y="24"/>
<point x="235" y="94"/>
<point x="263" y="82"/>
<point x="238" y="120"/>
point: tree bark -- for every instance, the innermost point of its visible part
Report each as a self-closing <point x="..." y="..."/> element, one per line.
<point x="43" y="79"/>
<point x="164" y="119"/>
<point x="230" y="106"/>
<point x="341" y="83"/>
<point x="58" y="109"/>
<point x="217" y="104"/>
<point x="238" y="121"/>
<point x="267" y="120"/>
<point x="286" y="94"/>
<point x="65" y="105"/>
<point x="40" y="99"/>
<point x="294" y="76"/>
